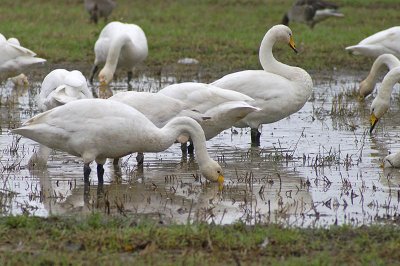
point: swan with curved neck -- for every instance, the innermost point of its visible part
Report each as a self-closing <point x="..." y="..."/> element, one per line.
<point x="381" y="63"/>
<point x="380" y="105"/>
<point x="121" y="46"/>
<point x="279" y="90"/>
<point x="97" y="129"/>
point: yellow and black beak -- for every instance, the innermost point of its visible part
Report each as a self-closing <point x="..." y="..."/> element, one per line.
<point x="292" y="45"/>
<point x="373" y="120"/>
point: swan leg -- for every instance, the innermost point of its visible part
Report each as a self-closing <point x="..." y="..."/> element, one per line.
<point x="86" y="172"/>
<point x="93" y="72"/>
<point x="190" y="148"/>
<point x="140" y="159"/>
<point x="255" y="137"/>
<point x="130" y="74"/>
<point x="184" y="149"/>
<point x="100" y="173"/>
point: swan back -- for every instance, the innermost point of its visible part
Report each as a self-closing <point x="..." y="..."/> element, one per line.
<point x="200" y="96"/>
<point x="382" y="42"/>
<point x="392" y="160"/>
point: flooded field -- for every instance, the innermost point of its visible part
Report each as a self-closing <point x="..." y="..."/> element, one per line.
<point x="318" y="167"/>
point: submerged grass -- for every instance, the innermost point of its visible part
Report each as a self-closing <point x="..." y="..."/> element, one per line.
<point x="223" y="35"/>
<point x="98" y="239"/>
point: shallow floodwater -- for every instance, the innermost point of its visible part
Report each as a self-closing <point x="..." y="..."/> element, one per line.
<point x="318" y="167"/>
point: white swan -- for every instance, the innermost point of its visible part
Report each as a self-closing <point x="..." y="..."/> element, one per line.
<point x="121" y="46"/>
<point x="382" y="62"/>
<point x="99" y="8"/>
<point x="279" y="90"/>
<point x="383" y="42"/>
<point x="97" y="129"/>
<point x="392" y="160"/>
<point x="311" y="12"/>
<point x="14" y="58"/>
<point x="381" y="103"/>
<point x="214" y="116"/>
<point x="59" y="87"/>
<point x="224" y="106"/>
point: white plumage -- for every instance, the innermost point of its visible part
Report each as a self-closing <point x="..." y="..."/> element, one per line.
<point x="383" y="42"/>
<point x="97" y="129"/>
<point x="119" y="46"/>
<point x="279" y="90"/>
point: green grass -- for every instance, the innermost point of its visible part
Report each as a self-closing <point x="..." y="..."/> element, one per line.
<point x="98" y="239"/>
<point x="223" y="35"/>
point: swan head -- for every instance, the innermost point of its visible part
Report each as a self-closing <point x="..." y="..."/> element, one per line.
<point x="378" y="108"/>
<point x="212" y="171"/>
<point x="105" y="77"/>
<point x="284" y="34"/>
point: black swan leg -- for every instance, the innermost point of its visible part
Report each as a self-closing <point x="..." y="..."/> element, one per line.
<point x="255" y="137"/>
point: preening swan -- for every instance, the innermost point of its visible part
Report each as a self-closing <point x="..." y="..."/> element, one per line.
<point x="58" y="87"/>
<point x="97" y="129"/>
<point x="311" y="12"/>
<point x="279" y="90"/>
<point x="381" y="103"/>
<point x="14" y="58"/>
<point x="383" y="42"/>
<point x="99" y="8"/>
<point x="120" y="46"/>
<point x="212" y="115"/>
<point x="382" y="62"/>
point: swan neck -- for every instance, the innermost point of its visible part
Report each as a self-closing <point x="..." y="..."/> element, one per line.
<point x="267" y="59"/>
<point x="388" y="83"/>
<point x="114" y="51"/>
<point x="180" y="125"/>
<point x="383" y="62"/>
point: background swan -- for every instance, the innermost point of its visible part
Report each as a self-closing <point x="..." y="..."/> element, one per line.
<point x="392" y="160"/>
<point x="14" y="58"/>
<point x="121" y="46"/>
<point x="383" y="42"/>
<point x="99" y="8"/>
<point x="97" y="129"/>
<point x="59" y="87"/>
<point x="279" y="90"/>
<point x="212" y="101"/>
<point x="213" y="116"/>
<point x="381" y="103"/>
<point x="310" y="12"/>
<point x="381" y="63"/>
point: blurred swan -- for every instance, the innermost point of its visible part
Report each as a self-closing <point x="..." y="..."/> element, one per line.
<point x="311" y="12"/>
<point x="381" y="103"/>
<point x="120" y="46"/>
<point x="20" y="80"/>
<point x="59" y="87"/>
<point x="214" y="116"/>
<point x="382" y="62"/>
<point x="383" y="42"/>
<point x="14" y="58"/>
<point x="97" y="129"/>
<point x="99" y="8"/>
<point x="279" y="90"/>
<point x="392" y="160"/>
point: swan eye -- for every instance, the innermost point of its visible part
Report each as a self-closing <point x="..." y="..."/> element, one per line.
<point x="218" y="172"/>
